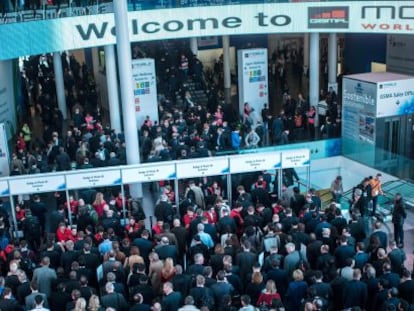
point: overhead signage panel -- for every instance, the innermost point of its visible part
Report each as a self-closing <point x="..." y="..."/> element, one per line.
<point x="4" y="188"/>
<point x="80" y="32"/>
<point x="160" y="171"/>
<point x="295" y="158"/>
<point x="255" y="162"/>
<point x="37" y="184"/>
<point x="93" y="179"/>
<point x="202" y="167"/>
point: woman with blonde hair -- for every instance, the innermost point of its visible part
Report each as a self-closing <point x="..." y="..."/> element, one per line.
<point x="99" y="204"/>
<point x="80" y="304"/>
<point x="268" y="294"/>
<point x="167" y="271"/>
<point x="95" y="304"/>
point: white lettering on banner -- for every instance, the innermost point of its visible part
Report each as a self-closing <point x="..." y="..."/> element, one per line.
<point x="85" y="31"/>
<point x="37" y="184"/>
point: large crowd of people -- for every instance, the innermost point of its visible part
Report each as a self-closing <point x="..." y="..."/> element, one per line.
<point x="259" y="252"/>
<point x="186" y="128"/>
<point x="264" y="250"/>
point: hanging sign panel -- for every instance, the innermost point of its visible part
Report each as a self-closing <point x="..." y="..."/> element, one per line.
<point x="295" y="158"/>
<point x="206" y="167"/>
<point x="255" y="162"/>
<point x="147" y="173"/>
<point x="37" y="184"/>
<point x="4" y="188"/>
<point x="94" y="179"/>
<point x="145" y="90"/>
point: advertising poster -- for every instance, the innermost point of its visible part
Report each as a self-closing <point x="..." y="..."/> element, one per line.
<point x="145" y="90"/>
<point x="4" y="152"/>
<point x="253" y="79"/>
<point x="395" y="98"/>
<point x="358" y="104"/>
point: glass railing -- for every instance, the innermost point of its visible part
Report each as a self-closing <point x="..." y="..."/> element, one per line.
<point x="14" y="14"/>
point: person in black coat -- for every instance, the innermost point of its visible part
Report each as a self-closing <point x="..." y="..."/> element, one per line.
<point x="7" y="302"/>
<point x="398" y="216"/>
<point x="144" y="244"/>
<point x="406" y="287"/>
<point x="113" y="299"/>
<point x="355" y="292"/>
<point x="39" y="210"/>
<point x="322" y="289"/>
<point x="165" y="250"/>
<point x="138" y="304"/>
<point x="181" y="281"/>
<point x="200" y="293"/>
<point x="343" y="252"/>
<point x="172" y="300"/>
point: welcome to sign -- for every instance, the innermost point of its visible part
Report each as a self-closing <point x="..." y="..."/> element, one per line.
<point x="97" y="30"/>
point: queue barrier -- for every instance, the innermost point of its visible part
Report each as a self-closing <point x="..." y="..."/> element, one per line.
<point x="151" y="172"/>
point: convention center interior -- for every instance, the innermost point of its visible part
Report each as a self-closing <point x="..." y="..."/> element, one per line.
<point x="213" y="155"/>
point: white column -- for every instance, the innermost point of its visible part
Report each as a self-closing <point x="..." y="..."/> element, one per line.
<point x="194" y="46"/>
<point x="305" y="51"/>
<point x="112" y="84"/>
<point x="60" y="84"/>
<point x="314" y="69"/>
<point x="226" y="68"/>
<point x="127" y="92"/>
<point x="332" y="58"/>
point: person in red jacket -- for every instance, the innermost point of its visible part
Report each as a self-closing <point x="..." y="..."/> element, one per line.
<point x="268" y="294"/>
<point x="63" y="233"/>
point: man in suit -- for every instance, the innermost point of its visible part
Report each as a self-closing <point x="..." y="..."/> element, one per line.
<point x="44" y="276"/>
<point x="144" y="244"/>
<point x="355" y="292"/>
<point x="8" y="302"/>
<point x="166" y="250"/>
<point x="245" y="260"/>
<point x="343" y="252"/>
<point x="113" y="299"/>
<point x="172" y="300"/>
<point x="221" y="288"/>
<point x="382" y="235"/>
<point x="30" y="299"/>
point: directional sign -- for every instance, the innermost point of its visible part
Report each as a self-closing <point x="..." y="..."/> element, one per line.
<point x="295" y="158"/>
<point x="146" y="173"/>
<point x="94" y="179"/>
<point x="41" y="183"/>
<point x="255" y="162"/>
<point x="203" y="167"/>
